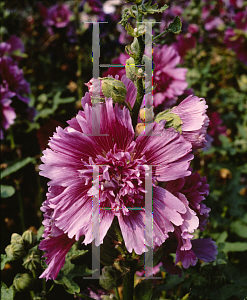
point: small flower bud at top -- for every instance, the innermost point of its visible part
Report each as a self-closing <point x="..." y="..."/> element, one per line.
<point x="114" y="89"/>
<point x="16" y="238"/>
<point x="23" y="282"/>
<point x="29" y="238"/>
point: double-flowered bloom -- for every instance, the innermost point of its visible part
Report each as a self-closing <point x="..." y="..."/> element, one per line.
<point x="112" y="166"/>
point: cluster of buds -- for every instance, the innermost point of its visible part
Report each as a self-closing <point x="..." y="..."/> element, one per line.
<point x="24" y="247"/>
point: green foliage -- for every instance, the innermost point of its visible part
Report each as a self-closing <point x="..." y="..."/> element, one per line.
<point x="175" y="26"/>
<point x="7" y="293"/>
<point x="17" y="165"/>
<point x="70" y="270"/>
<point x="7" y="191"/>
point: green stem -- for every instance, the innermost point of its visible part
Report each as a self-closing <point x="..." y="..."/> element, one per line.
<point x="139" y="83"/>
<point x="21" y="207"/>
<point x="116" y="293"/>
<point x="159" y="35"/>
<point x="32" y="294"/>
<point x="128" y="285"/>
<point x="12" y="141"/>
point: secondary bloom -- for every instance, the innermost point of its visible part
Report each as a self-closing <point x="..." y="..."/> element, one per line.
<point x="192" y="112"/>
<point x="7" y="112"/>
<point x="169" y="80"/>
<point x="191" y="190"/>
<point x="120" y="163"/>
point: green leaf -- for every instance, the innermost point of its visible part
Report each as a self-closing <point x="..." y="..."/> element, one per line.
<point x="7" y="293"/>
<point x="239" y="228"/>
<point x="234" y="247"/>
<point x="40" y="232"/>
<point x="152" y="9"/>
<point x="4" y="260"/>
<point x="143" y="290"/>
<point x="17" y="166"/>
<point x="19" y="53"/>
<point x="175" y="26"/>
<point x="7" y="191"/>
<point x="69" y="271"/>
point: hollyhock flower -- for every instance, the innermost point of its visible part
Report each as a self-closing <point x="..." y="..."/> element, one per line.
<point x="57" y="15"/>
<point x="192" y="190"/>
<point x="170" y="81"/>
<point x="122" y="162"/>
<point x="13" y="76"/>
<point x="7" y="112"/>
<point x="192" y="112"/>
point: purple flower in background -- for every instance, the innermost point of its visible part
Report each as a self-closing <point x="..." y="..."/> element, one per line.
<point x="122" y="163"/>
<point x="184" y="43"/>
<point x="58" y="15"/>
<point x="192" y="112"/>
<point x="7" y="112"/>
<point x="170" y="81"/>
<point x="11" y="46"/>
<point x="13" y="76"/>
<point x="121" y="60"/>
<point x="215" y="128"/>
<point x="236" y="39"/>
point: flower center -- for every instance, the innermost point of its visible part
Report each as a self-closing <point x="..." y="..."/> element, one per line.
<point x="121" y="181"/>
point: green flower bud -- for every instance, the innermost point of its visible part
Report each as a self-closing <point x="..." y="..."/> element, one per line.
<point x="23" y="282"/>
<point x="29" y="238"/>
<point x="172" y="120"/>
<point x="110" y="278"/>
<point x="15" y="251"/>
<point x="130" y="69"/>
<point x="16" y="238"/>
<point x="33" y="261"/>
<point x="114" y="89"/>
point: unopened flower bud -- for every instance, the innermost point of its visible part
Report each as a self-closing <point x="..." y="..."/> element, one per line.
<point x="29" y="238"/>
<point x="32" y="261"/>
<point x="114" y="89"/>
<point x="15" y="251"/>
<point x="130" y="69"/>
<point x="23" y="282"/>
<point x="16" y="238"/>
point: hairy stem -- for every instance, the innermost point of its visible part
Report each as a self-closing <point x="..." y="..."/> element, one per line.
<point x="139" y="82"/>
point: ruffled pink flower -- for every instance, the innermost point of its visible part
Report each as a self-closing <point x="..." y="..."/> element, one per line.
<point x="192" y="112"/>
<point x="122" y="162"/>
<point x="170" y="81"/>
<point x="7" y="112"/>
